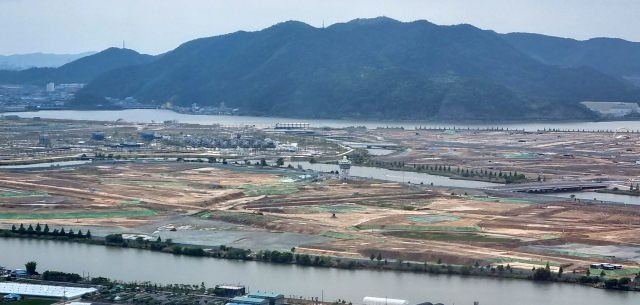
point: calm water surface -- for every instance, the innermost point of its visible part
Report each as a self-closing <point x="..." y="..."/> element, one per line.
<point x="352" y="285"/>
<point x="157" y="115"/>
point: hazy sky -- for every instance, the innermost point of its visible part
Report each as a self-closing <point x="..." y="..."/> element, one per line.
<point x="157" y="26"/>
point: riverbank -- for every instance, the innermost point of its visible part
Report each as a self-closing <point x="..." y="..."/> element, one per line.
<point x="322" y="261"/>
<point x="135" y="265"/>
<point x="634" y="193"/>
<point x="158" y="115"/>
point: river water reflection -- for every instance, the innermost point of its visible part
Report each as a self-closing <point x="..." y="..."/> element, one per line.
<point x="149" y="115"/>
<point x="352" y="285"/>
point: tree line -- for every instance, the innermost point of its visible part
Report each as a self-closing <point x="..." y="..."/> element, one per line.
<point x="40" y="231"/>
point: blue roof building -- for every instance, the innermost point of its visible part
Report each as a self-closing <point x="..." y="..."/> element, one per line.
<point x="276" y="297"/>
<point x="19" y="272"/>
<point x="249" y="301"/>
<point x="11" y="297"/>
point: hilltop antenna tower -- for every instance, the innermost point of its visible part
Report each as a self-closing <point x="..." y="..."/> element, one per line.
<point x="345" y="166"/>
<point x="123" y="44"/>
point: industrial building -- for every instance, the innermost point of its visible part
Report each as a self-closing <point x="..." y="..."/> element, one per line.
<point x="614" y="109"/>
<point x="248" y="301"/>
<point x="46" y="291"/>
<point x="292" y="126"/>
<point x="383" y="301"/>
<point x="231" y="291"/>
<point x="97" y="136"/>
<point x="150" y="136"/>
<point x="277" y="298"/>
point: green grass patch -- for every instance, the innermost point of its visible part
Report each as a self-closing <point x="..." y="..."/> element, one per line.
<point x="126" y="203"/>
<point x="421" y="228"/>
<point x="34" y="301"/>
<point x="434" y="218"/>
<point x="578" y="254"/>
<point x="451" y="237"/>
<point x="272" y="189"/>
<point x="23" y="194"/>
<point x="353" y="229"/>
<point x="549" y="237"/>
<point x="78" y="215"/>
<point x="370" y="227"/>
<point x="339" y="208"/>
<point x="618" y="272"/>
<point x="205" y="215"/>
<point x="145" y="183"/>
<point x="521" y="156"/>
<point x="339" y="235"/>
<point x="517" y="260"/>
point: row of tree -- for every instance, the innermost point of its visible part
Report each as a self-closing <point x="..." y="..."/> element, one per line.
<point x="39" y="230"/>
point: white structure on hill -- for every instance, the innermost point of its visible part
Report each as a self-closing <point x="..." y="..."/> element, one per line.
<point x="345" y="166"/>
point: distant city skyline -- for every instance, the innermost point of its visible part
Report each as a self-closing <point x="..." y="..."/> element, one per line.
<point x="157" y="26"/>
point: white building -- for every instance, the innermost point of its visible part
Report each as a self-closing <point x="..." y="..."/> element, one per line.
<point x="614" y="109"/>
<point x="50" y="87"/>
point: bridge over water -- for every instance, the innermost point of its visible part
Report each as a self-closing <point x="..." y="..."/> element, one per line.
<point x="549" y="187"/>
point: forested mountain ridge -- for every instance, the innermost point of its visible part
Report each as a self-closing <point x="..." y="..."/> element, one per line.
<point x="613" y="56"/>
<point x="82" y="70"/>
<point x="379" y="68"/>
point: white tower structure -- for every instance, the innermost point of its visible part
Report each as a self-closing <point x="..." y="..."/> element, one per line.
<point x="50" y="87"/>
<point x="345" y="166"/>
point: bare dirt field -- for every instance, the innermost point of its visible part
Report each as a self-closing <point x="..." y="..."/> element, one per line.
<point x="551" y="154"/>
<point x="353" y="219"/>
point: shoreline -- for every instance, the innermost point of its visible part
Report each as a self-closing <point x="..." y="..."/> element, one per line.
<point x="321" y="261"/>
<point x="357" y="119"/>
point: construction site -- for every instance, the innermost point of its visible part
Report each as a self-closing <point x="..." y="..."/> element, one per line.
<point x="268" y="206"/>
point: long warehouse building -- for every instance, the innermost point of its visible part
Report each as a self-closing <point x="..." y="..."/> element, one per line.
<point x="45" y="291"/>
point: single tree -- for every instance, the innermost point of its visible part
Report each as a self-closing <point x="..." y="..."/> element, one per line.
<point x="31" y="267"/>
<point x="379" y="258"/>
<point x="88" y="236"/>
<point x="38" y="229"/>
<point x="46" y="229"/>
<point x="560" y="271"/>
<point x="372" y="257"/>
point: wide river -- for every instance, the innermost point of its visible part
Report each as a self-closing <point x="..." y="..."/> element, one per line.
<point x="157" y="115"/>
<point x="351" y="285"/>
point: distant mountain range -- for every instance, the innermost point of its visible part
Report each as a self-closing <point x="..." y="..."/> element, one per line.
<point x="38" y="60"/>
<point x="613" y="56"/>
<point x="82" y="70"/>
<point x="368" y="68"/>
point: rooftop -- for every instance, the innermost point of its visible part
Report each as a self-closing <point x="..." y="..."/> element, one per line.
<point x="264" y="294"/>
<point x="246" y="299"/>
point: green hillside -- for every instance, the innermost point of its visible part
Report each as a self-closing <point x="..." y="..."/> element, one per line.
<point x="616" y="57"/>
<point x="369" y="68"/>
